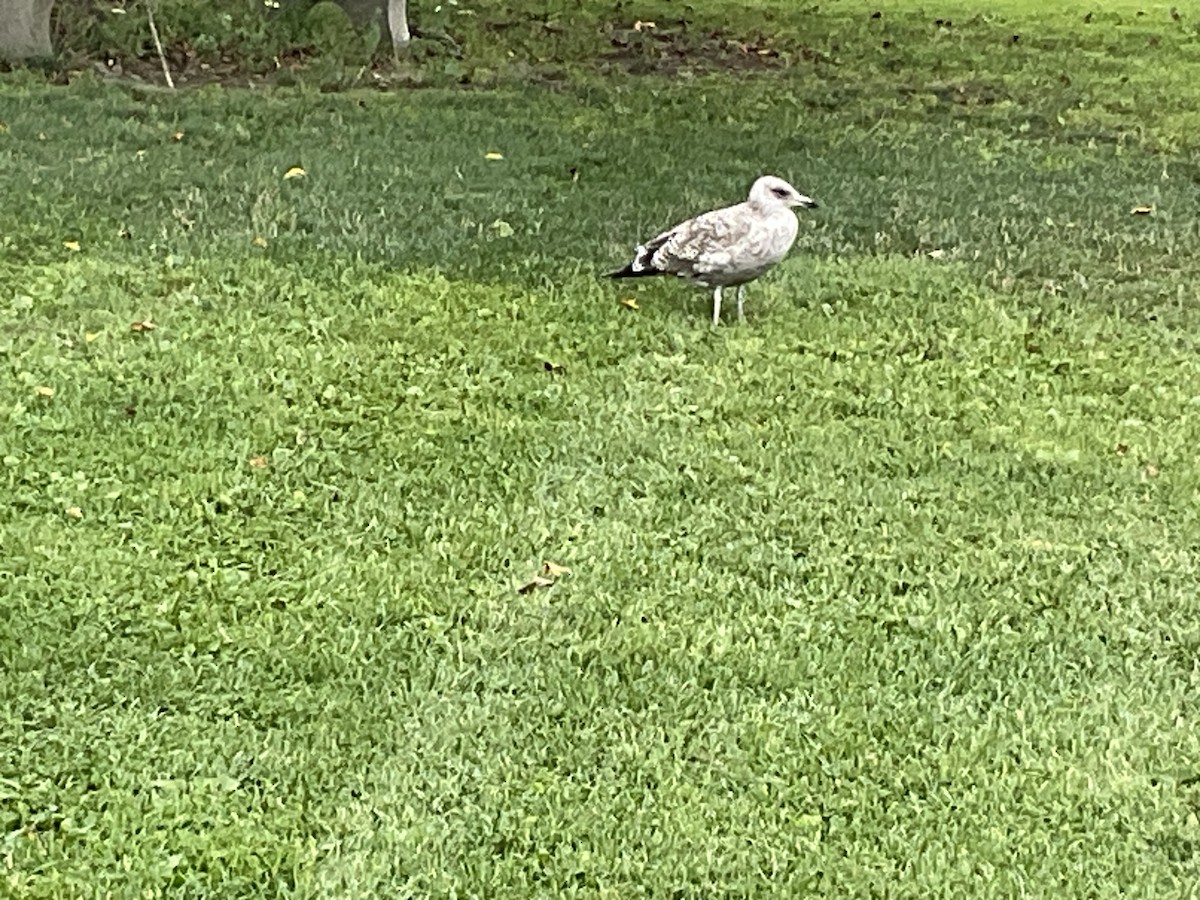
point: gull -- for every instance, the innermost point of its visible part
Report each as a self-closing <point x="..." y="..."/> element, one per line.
<point x="726" y="247"/>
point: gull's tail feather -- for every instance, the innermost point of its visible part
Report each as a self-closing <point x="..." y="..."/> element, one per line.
<point x="642" y="264"/>
<point x="634" y="271"/>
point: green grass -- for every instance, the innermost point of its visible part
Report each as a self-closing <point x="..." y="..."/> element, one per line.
<point x="890" y="592"/>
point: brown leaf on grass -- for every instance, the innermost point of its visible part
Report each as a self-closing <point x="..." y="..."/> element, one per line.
<point x="1121" y="449"/>
<point x="144" y="325"/>
<point x="259" y="241"/>
<point x="257" y="462"/>
<point x="629" y="303"/>
<point x="177" y="136"/>
<point x="553" y="368"/>
<point x="1141" y="210"/>
<point x="537" y="581"/>
<point x="43" y="391"/>
<point x="294" y="172"/>
<point x="639" y="25"/>
<point x="551" y="569"/>
<point x="74" y="512"/>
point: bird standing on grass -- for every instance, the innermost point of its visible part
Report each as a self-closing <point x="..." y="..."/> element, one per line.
<point x="726" y="247"/>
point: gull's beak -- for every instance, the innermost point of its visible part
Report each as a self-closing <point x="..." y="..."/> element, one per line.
<point x="806" y="202"/>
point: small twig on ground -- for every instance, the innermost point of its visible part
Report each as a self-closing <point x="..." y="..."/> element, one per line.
<point x="162" y="57"/>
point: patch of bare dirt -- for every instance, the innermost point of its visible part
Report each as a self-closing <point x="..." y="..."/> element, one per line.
<point x="667" y="48"/>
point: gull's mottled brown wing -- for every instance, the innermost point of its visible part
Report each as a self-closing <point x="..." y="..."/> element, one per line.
<point x="702" y="245"/>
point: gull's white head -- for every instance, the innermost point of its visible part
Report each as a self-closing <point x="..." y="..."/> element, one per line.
<point x="770" y="191"/>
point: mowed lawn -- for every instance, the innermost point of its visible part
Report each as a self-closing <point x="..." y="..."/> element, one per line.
<point x="892" y="591"/>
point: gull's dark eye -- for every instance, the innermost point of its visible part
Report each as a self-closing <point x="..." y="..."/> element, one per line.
<point x="780" y="192"/>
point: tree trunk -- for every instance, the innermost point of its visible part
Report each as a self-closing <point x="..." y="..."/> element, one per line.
<point x="398" y="23"/>
<point x="25" y="28"/>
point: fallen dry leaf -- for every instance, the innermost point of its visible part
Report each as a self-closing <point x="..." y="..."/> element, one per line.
<point x="1151" y="471"/>
<point x="259" y="241"/>
<point x="1141" y="210"/>
<point x="630" y="303"/>
<point x="553" y="367"/>
<point x="73" y="246"/>
<point x="257" y="462"/>
<point x="537" y="581"/>
<point x="294" y="172"/>
<point x="552" y="569"/>
<point x="144" y="325"/>
<point x="43" y="391"/>
<point x="493" y="155"/>
<point x="177" y="136"/>
<point x="1121" y="449"/>
<point x="639" y="25"/>
<point x="74" y="512"/>
<point x="90" y="336"/>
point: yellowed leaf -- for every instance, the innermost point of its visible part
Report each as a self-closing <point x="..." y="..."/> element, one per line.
<point x="74" y="512"/>
<point x="551" y="569"/>
<point x="73" y="246"/>
<point x="630" y="303"/>
<point x="144" y="325"/>
<point x="259" y="241"/>
<point x="140" y="154"/>
<point x="177" y="136"/>
<point x="493" y="155"/>
<point x="294" y="172"/>
<point x="639" y="25"/>
<point x="43" y="391"/>
<point x="1141" y="210"/>
<point x="90" y="336"/>
<point x="257" y="462"/>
